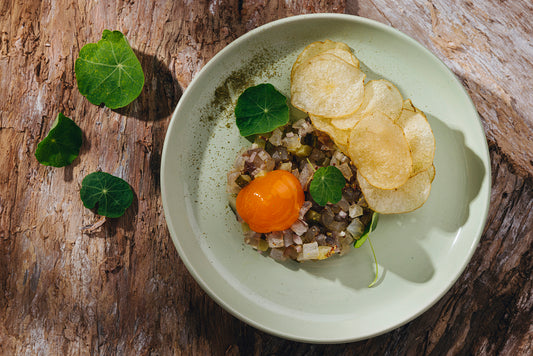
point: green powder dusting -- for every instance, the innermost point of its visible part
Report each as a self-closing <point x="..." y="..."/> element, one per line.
<point x="259" y="65"/>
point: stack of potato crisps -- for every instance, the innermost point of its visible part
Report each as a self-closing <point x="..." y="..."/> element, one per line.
<point x="388" y="139"/>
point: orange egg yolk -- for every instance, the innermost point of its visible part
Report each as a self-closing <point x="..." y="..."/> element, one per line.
<point x="271" y="202"/>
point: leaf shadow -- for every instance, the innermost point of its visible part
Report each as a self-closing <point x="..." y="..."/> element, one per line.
<point x="127" y="221"/>
<point x="68" y="172"/>
<point x="159" y="95"/>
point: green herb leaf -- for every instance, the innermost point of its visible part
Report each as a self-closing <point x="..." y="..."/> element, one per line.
<point x="62" y="144"/>
<point x="113" y="195"/>
<point x="368" y="229"/>
<point x="109" y="72"/>
<point x="326" y="186"/>
<point x="261" y="109"/>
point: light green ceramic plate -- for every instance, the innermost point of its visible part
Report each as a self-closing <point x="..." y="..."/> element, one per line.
<point x="420" y="254"/>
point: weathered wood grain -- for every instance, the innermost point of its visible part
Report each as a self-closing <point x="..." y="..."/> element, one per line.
<point x="122" y="288"/>
<point x="487" y="44"/>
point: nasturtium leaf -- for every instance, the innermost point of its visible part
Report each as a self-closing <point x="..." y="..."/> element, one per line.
<point x="326" y="186"/>
<point x="369" y="228"/>
<point x="109" y="72"/>
<point x="111" y="194"/>
<point x="62" y="144"/>
<point x="261" y="109"/>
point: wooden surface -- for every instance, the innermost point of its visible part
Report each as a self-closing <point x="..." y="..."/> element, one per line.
<point x="122" y="288"/>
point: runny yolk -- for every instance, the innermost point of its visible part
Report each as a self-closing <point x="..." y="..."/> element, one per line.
<point x="271" y="202"/>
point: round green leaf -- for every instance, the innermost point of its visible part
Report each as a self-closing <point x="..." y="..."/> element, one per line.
<point x="62" y="144"/>
<point x="261" y="109"/>
<point x="111" y="194"/>
<point x="109" y="72"/>
<point x="326" y="186"/>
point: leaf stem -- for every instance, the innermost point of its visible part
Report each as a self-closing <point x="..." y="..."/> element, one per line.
<point x="376" y="262"/>
<point x="308" y="161"/>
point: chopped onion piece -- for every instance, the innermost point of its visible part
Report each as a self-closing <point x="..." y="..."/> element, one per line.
<point x="324" y="252"/>
<point x="277" y="254"/>
<point x="356" y="228"/>
<point x="355" y="211"/>
<point x="275" y="239"/>
<point x="232" y="186"/>
<point x="291" y="252"/>
<point x="309" y="251"/>
<point x="252" y="156"/>
<point x="291" y="142"/>
<point x="239" y="163"/>
<point x="343" y="204"/>
<point x="275" y="138"/>
<point x="311" y="233"/>
<point x="280" y="154"/>
<point x="305" y="208"/>
<point x="287" y="238"/>
<point x="252" y="238"/>
<point x="258" y="172"/>
<point x="303" y="127"/>
<point x="286" y="166"/>
<point x="337" y="226"/>
<point x="306" y="176"/>
<point x="346" y="171"/>
<point x="338" y="158"/>
<point x="299" y="227"/>
<point x="267" y="159"/>
<point x="341" y="157"/>
<point x="299" y="124"/>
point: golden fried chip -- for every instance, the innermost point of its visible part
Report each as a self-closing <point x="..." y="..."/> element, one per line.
<point x="420" y="137"/>
<point x="327" y="86"/>
<point x="339" y="137"/>
<point x="408" y="197"/>
<point x="431" y="172"/>
<point x="380" y="96"/>
<point x="344" y="54"/>
<point x="408" y="105"/>
<point x="380" y="151"/>
<point x="340" y="49"/>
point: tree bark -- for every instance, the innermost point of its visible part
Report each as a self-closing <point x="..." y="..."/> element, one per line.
<point x="121" y="288"/>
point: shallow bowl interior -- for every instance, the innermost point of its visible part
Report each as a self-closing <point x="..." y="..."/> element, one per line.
<point x="420" y="254"/>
